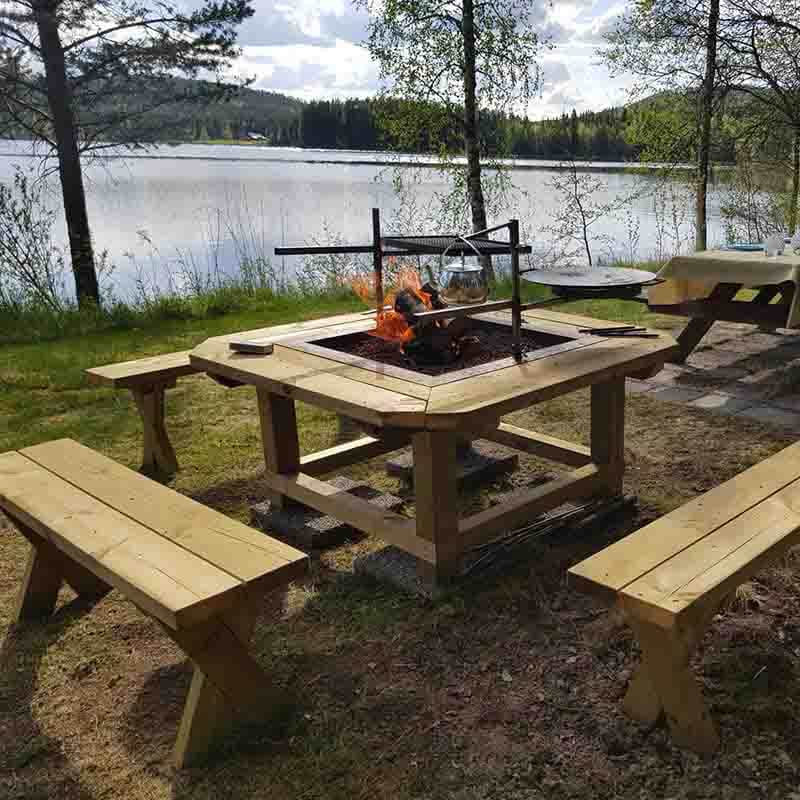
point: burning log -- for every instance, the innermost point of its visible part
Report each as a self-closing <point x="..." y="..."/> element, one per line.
<point x="423" y="341"/>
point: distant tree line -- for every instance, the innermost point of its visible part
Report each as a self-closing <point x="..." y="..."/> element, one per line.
<point x="358" y="125"/>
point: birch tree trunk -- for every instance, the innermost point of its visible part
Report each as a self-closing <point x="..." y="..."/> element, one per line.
<point x="795" y="196"/>
<point x="472" y="144"/>
<point x="706" y="113"/>
<point x="69" y="162"/>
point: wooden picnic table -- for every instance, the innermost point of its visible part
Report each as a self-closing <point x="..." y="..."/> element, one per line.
<point x="703" y="287"/>
<point x="397" y="406"/>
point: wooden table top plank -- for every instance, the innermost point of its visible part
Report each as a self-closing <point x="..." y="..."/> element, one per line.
<point x="528" y="383"/>
<point x="297" y="327"/>
<point x="158" y="575"/>
<point x="690" y="574"/>
<point x="342" y="394"/>
<point x="371" y="378"/>
<point x="143" y="371"/>
<point x="619" y="565"/>
<point x="244" y="553"/>
<point x="562" y="318"/>
<point x="359" y="326"/>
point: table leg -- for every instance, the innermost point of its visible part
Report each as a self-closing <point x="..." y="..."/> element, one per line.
<point x="697" y="328"/>
<point x="608" y="431"/>
<point x="159" y="454"/>
<point x="279" y="438"/>
<point x="435" y="487"/>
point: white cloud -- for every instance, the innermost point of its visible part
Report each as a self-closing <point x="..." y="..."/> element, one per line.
<point x="313" y="49"/>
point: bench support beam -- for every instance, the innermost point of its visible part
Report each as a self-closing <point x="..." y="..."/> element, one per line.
<point x="227" y="683"/>
<point x="159" y="454"/>
<point x="45" y="572"/>
<point x="664" y="684"/>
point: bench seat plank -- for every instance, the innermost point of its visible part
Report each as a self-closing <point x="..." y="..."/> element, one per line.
<point x="162" y="578"/>
<point x="631" y="558"/>
<point x="718" y="563"/>
<point x="144" y="371"/>
<point x="246" y="554"/>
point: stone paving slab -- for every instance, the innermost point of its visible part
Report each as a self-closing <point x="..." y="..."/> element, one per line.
<point x="633" y="386"/>
<point x="772" y="415"/>
<point x="738" y="369"/>
<point x="676" y="394"/>
<point x="723" y="403"/>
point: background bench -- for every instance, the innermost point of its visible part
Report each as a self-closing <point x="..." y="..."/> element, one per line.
<point x="671" y="577"/>
<point x="97" y="525"/>
<point x="148" y="379"/>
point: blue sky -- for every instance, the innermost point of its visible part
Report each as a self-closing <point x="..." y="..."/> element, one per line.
<point x="312" y="49"/>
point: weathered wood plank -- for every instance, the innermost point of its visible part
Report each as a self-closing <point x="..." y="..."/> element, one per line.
<point x="242" y="552"/>
<point x="354" y="452"/>
<point x="625" y="561"/>
<point x="468" y="402"/>
<point x="144" y="371"/>
<point x="361" y="401"/>
<point x="278" y="436"/>
<point x="714" y="566"/>
<point x="362" y="515"/>
<point x="539" y="444"/>
<point x="608" y="431"/>
<point x="165" y="580"/>
<point x="435" y="485"/>
<point x="369" y="376"/>
<point x="522" y="506"/>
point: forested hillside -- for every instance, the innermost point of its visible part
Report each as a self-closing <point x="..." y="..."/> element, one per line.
<point x="615" y="134"/>
<point x="356" y="124"/>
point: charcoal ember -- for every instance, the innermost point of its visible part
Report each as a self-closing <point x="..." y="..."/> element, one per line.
<point x="458" y="326"/>
<point x="469" y="346"/>
<point x="436" y="301"/>
<point x="430" y="345"/>
<point x="408" y="304"/>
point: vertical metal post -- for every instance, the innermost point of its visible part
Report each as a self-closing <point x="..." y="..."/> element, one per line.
<point x="377" y="259"/>
<point x="516" y="310"/>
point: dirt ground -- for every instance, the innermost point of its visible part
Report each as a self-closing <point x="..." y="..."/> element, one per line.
<point x="508" y="687"/>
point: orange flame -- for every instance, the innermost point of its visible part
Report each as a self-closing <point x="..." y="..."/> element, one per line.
<point x="391" y="325"/>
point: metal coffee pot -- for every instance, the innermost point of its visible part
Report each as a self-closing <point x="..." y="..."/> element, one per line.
<point x="462" y="279"/>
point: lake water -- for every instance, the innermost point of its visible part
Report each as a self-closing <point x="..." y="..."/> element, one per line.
<point x="206" y="203"/>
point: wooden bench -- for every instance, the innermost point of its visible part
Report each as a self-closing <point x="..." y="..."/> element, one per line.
<point x="148" y="379"/>
<point x="97" y="525"/>
<point x="670" y="578"/>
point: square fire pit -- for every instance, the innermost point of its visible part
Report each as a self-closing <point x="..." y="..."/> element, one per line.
<point x="491" y="351"/>
<point x="322" y="363"/>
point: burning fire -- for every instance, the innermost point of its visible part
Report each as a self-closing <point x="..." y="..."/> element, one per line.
<point x="392" y="325"/>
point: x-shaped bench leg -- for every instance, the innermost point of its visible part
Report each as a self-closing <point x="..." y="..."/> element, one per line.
<point x="159" y="454"/>
<point x="664" y="684"/>
<point x="47" y="569"/>
<point x="227" y="682"/>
